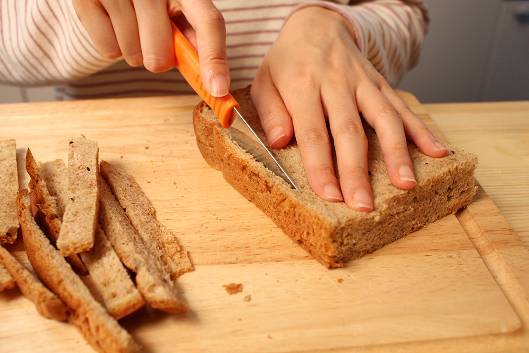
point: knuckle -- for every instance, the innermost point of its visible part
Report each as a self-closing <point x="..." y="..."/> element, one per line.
<point x="312" y="137"/>
<point x="213" y="16"/>
<point x="350" y="128"/>
<point x="398" y="149"/>
<point x="353" y="174"/>
<point x="322" y="171"/>
<point x="303" y="76"/>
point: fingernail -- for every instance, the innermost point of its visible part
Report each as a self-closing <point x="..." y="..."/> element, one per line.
<point x="406" y="174"/>
<point x="218" y="84"/>
<point x="135" y="60"/>
<point x="276" y="134"/>
<point x="332" y="193"/>
<point x="439" y="146"/>
<point x="362" y="200"/>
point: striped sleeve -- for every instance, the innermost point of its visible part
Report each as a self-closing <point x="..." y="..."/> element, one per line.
<point x="43" y="41"/>
<point x="389" y="33"/>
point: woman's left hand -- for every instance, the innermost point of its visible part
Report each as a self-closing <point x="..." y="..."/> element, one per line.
<point x="315" y="71"/>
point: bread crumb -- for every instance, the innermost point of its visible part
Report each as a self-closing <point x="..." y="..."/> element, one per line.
<point x="247" y="298"/>
<point x="146" y="147"/>
<point x="269" y="337"/>
<point x="339" y="280"/>
<point x="233" y="288"/>
<point x="121" y="156"/>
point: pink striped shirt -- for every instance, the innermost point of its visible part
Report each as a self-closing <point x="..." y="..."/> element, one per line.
<point x="43" y="42"/>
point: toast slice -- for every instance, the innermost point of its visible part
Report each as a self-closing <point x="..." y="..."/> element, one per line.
<point x="6" y="280"/>
<point x="142" y="215"/>
<point x="46" y="302"/>
<point x="152" y="280"/>
<point x="80" y="217"/>
<point x="108" y="277"/>
<point x="8" y="192"/>
<point x="48" y="213"/>
<point x="332" y="232"/>
<point x="100" y="329"/>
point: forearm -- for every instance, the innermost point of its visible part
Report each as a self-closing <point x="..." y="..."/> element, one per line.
<point x="44" y="42"/>
<point x="389" y="33"/>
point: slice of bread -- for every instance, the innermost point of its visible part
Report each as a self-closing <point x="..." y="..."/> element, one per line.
<point x="332" y="232"/>
<point x="46" y="302"/>
<point x="80" y="217"/>
<point x="8" y="192"/>
<point x="6" y="280"/>
<point x="108" y="277"/>
<point x="48" y="213"/>
<point x="152" y="279"/>
<point x="100" y="329"/>
<point x="142" y="215"/>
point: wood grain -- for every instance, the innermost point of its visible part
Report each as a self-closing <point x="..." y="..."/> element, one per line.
<point x="459" y="285"/>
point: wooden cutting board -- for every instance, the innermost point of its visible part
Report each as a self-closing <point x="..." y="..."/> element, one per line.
<point x="459" y="285"/>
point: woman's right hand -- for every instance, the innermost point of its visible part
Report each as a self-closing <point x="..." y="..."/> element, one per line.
<point x="140" y="32"/>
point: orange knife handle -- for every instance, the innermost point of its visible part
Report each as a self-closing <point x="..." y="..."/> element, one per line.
<point x="188" y="65"/>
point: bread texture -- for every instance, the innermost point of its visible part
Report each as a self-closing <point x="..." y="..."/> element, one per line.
<point x="8" y="192"/>
<point x="46" y="302"/>
<point x="80" y="217"/>
<point x="108" y="277"/>
<point x="142" y="215"/>
<point x="101" y="330"/>
<point x="46" y="207"/>
<point x="152" y="279"/>
<point x="332" y="232"/>
<point x="6" y="280"/>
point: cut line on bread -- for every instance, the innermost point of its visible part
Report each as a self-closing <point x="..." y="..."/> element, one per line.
<point x="80" y="216"/>
<point x="142" y="215"/>
<point x="332" y="232"/>
<point x="108" y="277"/>
<point x="46" y="302"/>
<point x="8" y="192"/>
<point x="100" y="329"/>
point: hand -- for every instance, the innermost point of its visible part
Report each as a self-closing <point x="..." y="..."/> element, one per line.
<point x="140" y="31"/>
<point x="314" y="70"/>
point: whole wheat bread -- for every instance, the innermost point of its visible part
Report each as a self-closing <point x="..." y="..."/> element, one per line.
<point x="80" y="217"/>
<point x="109" y="278"/>
<point x="152" y="279"/>
<point x="99" y="328"/>
<point x="48" y="213"/>
<point x="332" y="232"/>
<point x="6" y="280"/>
<point x="142" y="215"/>
<point x="46" y="302"/>
<point x="8" y="192"/>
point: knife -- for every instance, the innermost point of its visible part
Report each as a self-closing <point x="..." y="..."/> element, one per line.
<point x="225" y="108"/>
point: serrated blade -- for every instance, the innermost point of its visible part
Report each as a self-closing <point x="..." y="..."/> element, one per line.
<point x="244" y="134"/>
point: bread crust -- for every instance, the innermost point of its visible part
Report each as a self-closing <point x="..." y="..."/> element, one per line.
<point x="80" y="216"/>
<point x="8" y="192"/>
<point x="142" y="216"/>
<point x="110" y="281"/>
<point x="45" y="208"/>
<point x="152" y="279"/>
<point x="46" y="302"/>
<point x="6" y="280"/>
<point x="331" y="232"/>
<point x="101" y="330"/>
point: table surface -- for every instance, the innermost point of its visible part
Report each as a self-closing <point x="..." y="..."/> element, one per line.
<point x="499" y="134"/>
<point x="296" y="304"/>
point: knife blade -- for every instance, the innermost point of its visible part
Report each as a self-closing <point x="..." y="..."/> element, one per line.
<point x="226" y="108"/>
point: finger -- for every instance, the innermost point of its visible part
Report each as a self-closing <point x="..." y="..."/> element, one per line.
<point x="304" y="104"/>
<point x="350" y="143"/>
<point x="275" y="120"/>
<point x="414" y="127"/>
<point x="208" y="24"/>
<point x="155" y="31"/>
<point x="125" y="26"/>
<point x="99" y="27"/>
<point x="381" y="115"/>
